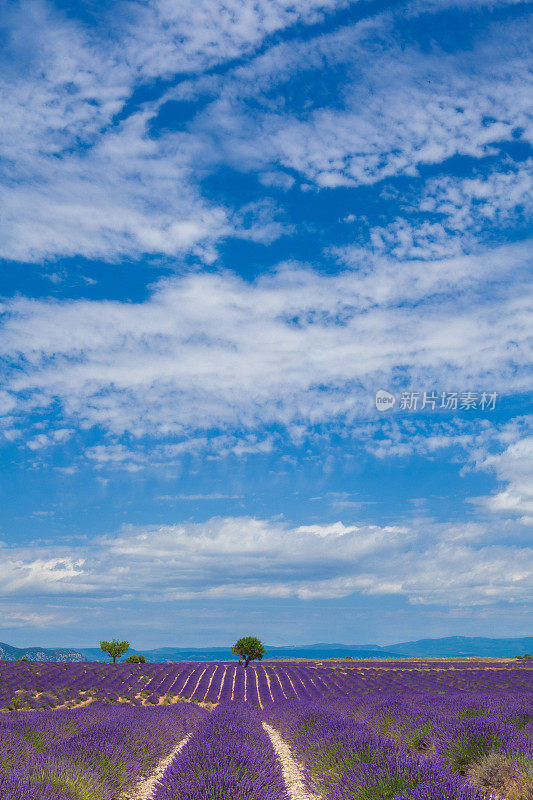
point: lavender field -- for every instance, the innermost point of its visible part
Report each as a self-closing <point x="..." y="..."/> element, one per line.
<point x="338" y="731"/>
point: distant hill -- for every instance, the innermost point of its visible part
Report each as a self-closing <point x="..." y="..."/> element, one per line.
<point x="449" y="647"/>
<point x="466" y="646"/>
<point x="9" y="653"/>
<point x="169" y="654"/>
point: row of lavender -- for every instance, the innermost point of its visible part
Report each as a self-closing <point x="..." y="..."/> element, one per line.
<point x="52" y="685"/>
<point x="394" y="747"/>
<point x="97" y="753"/>
<point x="422" y="742"/>
<point x="91" y="753"/>
<point x="229" y="755"/>
<point x="43" y="685"/>
<point x="100" y="753"/>
<point x="356" y="744"/>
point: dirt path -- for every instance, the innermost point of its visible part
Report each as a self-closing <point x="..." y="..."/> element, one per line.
<point x="268" y="684"/>
<point x="292" y="770"/>
<point x="144" y="788"/>
<point x="257" y="687"/>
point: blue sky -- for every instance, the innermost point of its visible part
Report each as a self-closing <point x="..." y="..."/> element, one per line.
<point x="225" y="227"/>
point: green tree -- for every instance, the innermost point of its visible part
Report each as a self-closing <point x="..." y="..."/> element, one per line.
<point x="135" y="659"/>
<point x="114" y="648"/>
<point x="249" y="648"/>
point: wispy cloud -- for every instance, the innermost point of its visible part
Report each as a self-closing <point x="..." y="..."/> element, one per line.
<point x="505" y="451"/>
<point x="77" y="181"/>
<point x="165" y="38"/>
<point x="211" y="350"/>
<point x="83" y="174"/>
<point x="20" y="615"/>
<point x="337" y="196"/>
<point x="401" y="108"/>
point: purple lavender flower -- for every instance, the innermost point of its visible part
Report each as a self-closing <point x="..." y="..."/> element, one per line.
<point x="228" y="755"/>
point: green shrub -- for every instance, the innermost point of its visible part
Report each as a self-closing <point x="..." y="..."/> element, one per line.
<point x="387" y="788"/>
<point x="461" y="753"/>
<point x="111" y="772"/>
<point x="469" y="713"/>
<point x="63" y="776"/>
<point x="418" y="737"/>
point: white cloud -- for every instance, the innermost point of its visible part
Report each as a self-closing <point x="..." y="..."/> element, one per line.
<point x="505" y="451"/>
<point x="75" y="180"/>
<point x="46" y="440"/>
<point x="23" y="616"/>
<point x="400" y="106"/>
<point x="473" y="576"/>
<point x="24" y="572"/>
<point x="464" y="206"/>
<point x="514" y="467"/>
<point x="165" y="37"/>
<point x="249" y="557"/>
<point x="468" y="203"/>
<point x="78" y="181"/>
<point x="212" y="349"/>
<point x="123" y="197"/>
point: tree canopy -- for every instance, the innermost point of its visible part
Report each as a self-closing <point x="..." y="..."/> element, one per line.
<point x="114" y="648"/>
<point x="249" y="648"/>
<point x="135" y="659"/>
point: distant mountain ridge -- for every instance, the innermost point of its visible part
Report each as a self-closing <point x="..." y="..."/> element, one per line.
<point x="169" y="654"/>
<point x="447" y="647"/>
<point x="10" y="653"/>
<point x="467" y="646"/>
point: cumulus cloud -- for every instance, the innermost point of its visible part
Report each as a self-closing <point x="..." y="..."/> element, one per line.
<point x="514" y="468"/>
<point x="232" y="557"/>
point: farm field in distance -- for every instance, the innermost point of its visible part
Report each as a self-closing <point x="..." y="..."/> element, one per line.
<point x="340" y="730"/>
